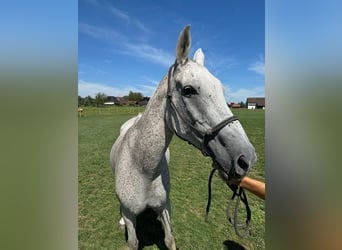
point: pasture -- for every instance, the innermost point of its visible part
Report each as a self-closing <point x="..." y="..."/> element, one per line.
<point x="98" y="208"/>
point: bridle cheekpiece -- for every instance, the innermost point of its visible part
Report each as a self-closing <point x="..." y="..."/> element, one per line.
<point x="207" y="134"/>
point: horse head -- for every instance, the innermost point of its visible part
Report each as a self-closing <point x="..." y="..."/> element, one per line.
<point x="198" y="113"/>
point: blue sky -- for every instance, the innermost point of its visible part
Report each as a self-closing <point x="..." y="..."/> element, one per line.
<point x="129" y="45"/>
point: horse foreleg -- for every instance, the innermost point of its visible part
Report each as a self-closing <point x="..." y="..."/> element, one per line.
<point x="130" y="221"/>
<point x="166" y="221"/>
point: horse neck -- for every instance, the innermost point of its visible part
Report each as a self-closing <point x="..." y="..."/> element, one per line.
<point x="154" y="135"/>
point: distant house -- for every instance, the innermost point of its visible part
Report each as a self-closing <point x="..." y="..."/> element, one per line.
<point x="256" y="103"/>
<point x="123" y="100"/>
<point x="112" y="100"/>
<point x="144" y="101"/>
<point x="234" y="105"/>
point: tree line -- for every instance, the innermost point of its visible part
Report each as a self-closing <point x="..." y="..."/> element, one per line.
<point x="101" y="98"/>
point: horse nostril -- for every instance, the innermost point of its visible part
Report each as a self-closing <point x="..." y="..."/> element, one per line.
<point x="243" y="163"/>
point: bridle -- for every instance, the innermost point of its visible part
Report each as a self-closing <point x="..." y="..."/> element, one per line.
<point x="206" y="134"/>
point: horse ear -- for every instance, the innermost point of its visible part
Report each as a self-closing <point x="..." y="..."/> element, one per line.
<point x="183" y="45"/>
<point x="199" y="57"/>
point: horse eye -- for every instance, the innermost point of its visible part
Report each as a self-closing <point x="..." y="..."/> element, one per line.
<point x="188" y="91"/>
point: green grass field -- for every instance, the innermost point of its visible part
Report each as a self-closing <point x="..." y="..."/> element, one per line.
<point x="99" y="209"/>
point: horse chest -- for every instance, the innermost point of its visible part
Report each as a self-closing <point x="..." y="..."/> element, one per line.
<point x="138" y="190"/>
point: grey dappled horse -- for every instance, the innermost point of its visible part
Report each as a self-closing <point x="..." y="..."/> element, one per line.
<point x="190" y="103"/>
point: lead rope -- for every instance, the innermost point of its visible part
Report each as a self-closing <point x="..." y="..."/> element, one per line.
<point x="209" y="195"/>
<point x="241" y="196"/>
<point x="240" y="193"/>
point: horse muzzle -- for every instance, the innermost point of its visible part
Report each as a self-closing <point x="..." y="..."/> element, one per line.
<point x="232" y="167"/>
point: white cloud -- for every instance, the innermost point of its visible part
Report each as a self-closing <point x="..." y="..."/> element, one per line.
<point x="141" y="50"/>
<point x="91" y="88"/>
<point x="258" y="66"/>
<point x="149" y="53"/>
<point x="242" y="94"/>
<point x="128" y="19"/>
<point x="147" y="90"/>
<point x="102" y="33"/>
<point x="141" y="26"/>
<point x="119" y="13"/>
<point x="218" y="64"/>
<point x="150" y="80"/>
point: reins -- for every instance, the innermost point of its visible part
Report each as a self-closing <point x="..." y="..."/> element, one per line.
<point x="241" y="196"/>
